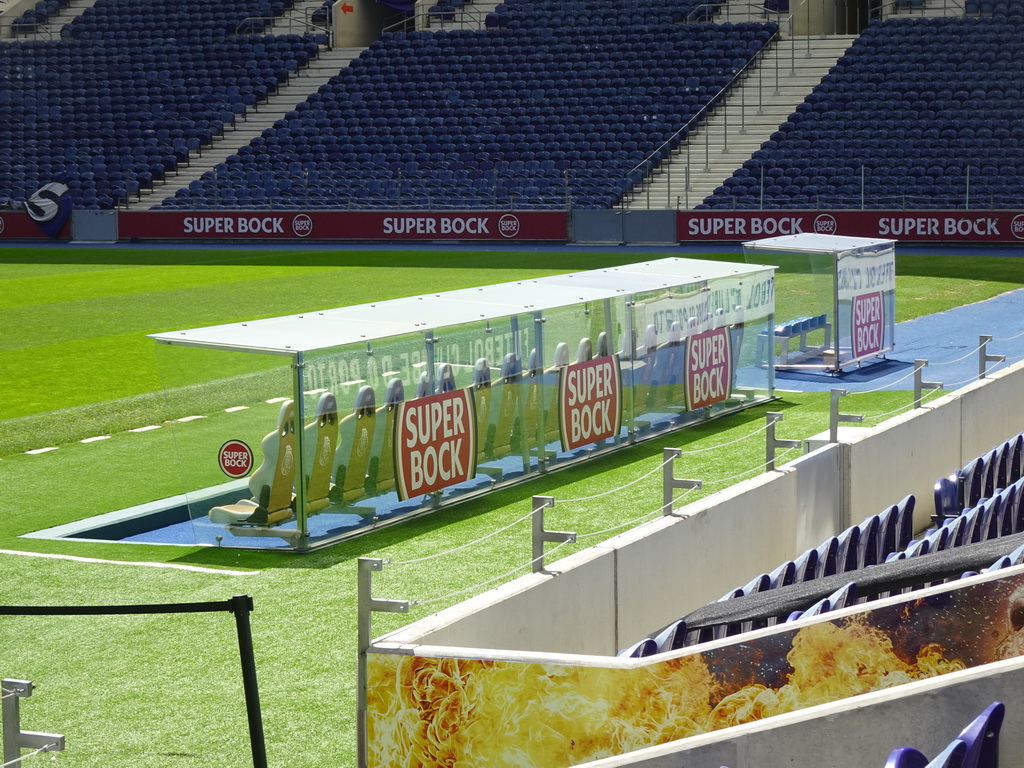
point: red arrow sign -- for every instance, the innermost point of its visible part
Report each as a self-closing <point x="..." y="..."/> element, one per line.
<point x="346" y="8"/>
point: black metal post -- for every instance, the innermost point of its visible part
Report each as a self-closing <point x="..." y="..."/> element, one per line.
<point x="241" y="607"/>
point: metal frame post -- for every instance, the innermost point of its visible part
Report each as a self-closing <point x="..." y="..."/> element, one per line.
<point x="834" y="416"/>
<point x="984" y="358"/>
<point x="920" y="384"/>
<point x="299" y="385"/>
<point x="771" y="442"/>
<point x="15" y="739"/>
<point x="670" y="482"/>
<point x="540" y="536"/>
<point x="367" y="604"/>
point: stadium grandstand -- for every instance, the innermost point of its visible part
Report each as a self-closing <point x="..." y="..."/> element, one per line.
<point x="523" y="105"/>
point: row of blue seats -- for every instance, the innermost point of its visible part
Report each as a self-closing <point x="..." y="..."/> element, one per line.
<point x="980" y="478"/>
<point x="976" y="746"/>
<point x="859" y="546"/>
<point x="37" y="15"/>
<point x="990" y="518"/>
<point x="885" y="538"/>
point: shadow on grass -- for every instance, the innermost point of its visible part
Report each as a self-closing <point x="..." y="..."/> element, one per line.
<point x="375" y="541"/>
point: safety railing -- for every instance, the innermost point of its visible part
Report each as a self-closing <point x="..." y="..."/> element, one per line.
<point x="966" y="201"/>
<point x="288" y="24"/>
<point x="650" y="164"/>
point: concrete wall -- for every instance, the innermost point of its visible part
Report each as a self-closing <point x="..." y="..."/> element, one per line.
<point x="903" y="456"/>
<point x="909" y="452"/>
<point x="607" y="597"/>
<point x="991" y="412"/>
<point x="859" y="732"/>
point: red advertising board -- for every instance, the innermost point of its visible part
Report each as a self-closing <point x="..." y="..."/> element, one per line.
<point x="590" y="402"/>
<point x="435" y="443"/>
<point x="868" y="318"/>
<point x="708" y="368"/>
<point x="16" y="225"/>
<point x="904" y="226"/>
<point x="507" y="226"/>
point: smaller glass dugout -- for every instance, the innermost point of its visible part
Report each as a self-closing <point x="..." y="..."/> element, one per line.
<point x="839" y="306"/>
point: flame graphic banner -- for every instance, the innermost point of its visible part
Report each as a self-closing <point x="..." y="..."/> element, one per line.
<point x="442" y="711"/>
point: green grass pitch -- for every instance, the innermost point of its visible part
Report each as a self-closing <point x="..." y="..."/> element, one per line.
<point x="164" y="691"/>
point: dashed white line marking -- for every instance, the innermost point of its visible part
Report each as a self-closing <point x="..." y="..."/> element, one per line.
<point x="183" y="419"/>
<point x="273" y="400"/>
<point x="34" y="451"/>
<point x="145" y="429"/>
<point x="95" y="439"/>
<point x="236" y="408"/>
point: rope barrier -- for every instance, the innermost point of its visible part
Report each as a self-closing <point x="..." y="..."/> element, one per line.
<point x="959" y="359"/>
<point x="660" y="510"/>
<point x="493" y="533"/>
<point x="901" y="409"/>
<point x="17" y="760"/>
<point x="616" y="490"/>
<point x="503" y="576"/>
<point x="1008" y="338"/>
<point x="748" y="471"/>
<point x="883" y="388"/>
<point x="581" y="499"/>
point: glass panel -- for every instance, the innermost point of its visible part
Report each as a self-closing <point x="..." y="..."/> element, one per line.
<point x="235" y="443"/>
<point x="866" y="292"/>
<point x="697" y="351"/>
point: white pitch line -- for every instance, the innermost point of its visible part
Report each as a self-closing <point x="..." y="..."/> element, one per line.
<point x="185" y="419"/>
<point x="273" y="400"/>
<point x="144" y="429"/>
<point x="175" y="566"/>
<point x="236" y="408"/>
<point x="36" y="451"/>
<point x="95" y="439"/>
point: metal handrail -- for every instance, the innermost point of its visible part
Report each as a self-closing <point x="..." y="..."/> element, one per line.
<point x="831" y="203"/>
<point x="304" y="26"/>
<point x="884" y="9"/>
<point x="476" y="19"/>
<point x="648" y="164"/>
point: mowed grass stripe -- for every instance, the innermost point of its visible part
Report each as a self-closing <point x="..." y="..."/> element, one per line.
<point x="77" y="372"/>
<point x="124" y="281"/>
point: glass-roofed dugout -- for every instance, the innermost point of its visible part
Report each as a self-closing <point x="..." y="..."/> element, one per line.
<point x="324" y="425"/>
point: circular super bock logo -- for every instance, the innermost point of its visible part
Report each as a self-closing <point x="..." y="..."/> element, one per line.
<point x="508" y="225"/>
<point x="302" y="225"/>
<point x="235" y="458"/>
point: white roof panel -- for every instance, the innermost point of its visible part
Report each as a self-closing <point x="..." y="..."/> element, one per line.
<point x="324" y="329"/>
<point x="815" y="243"/>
